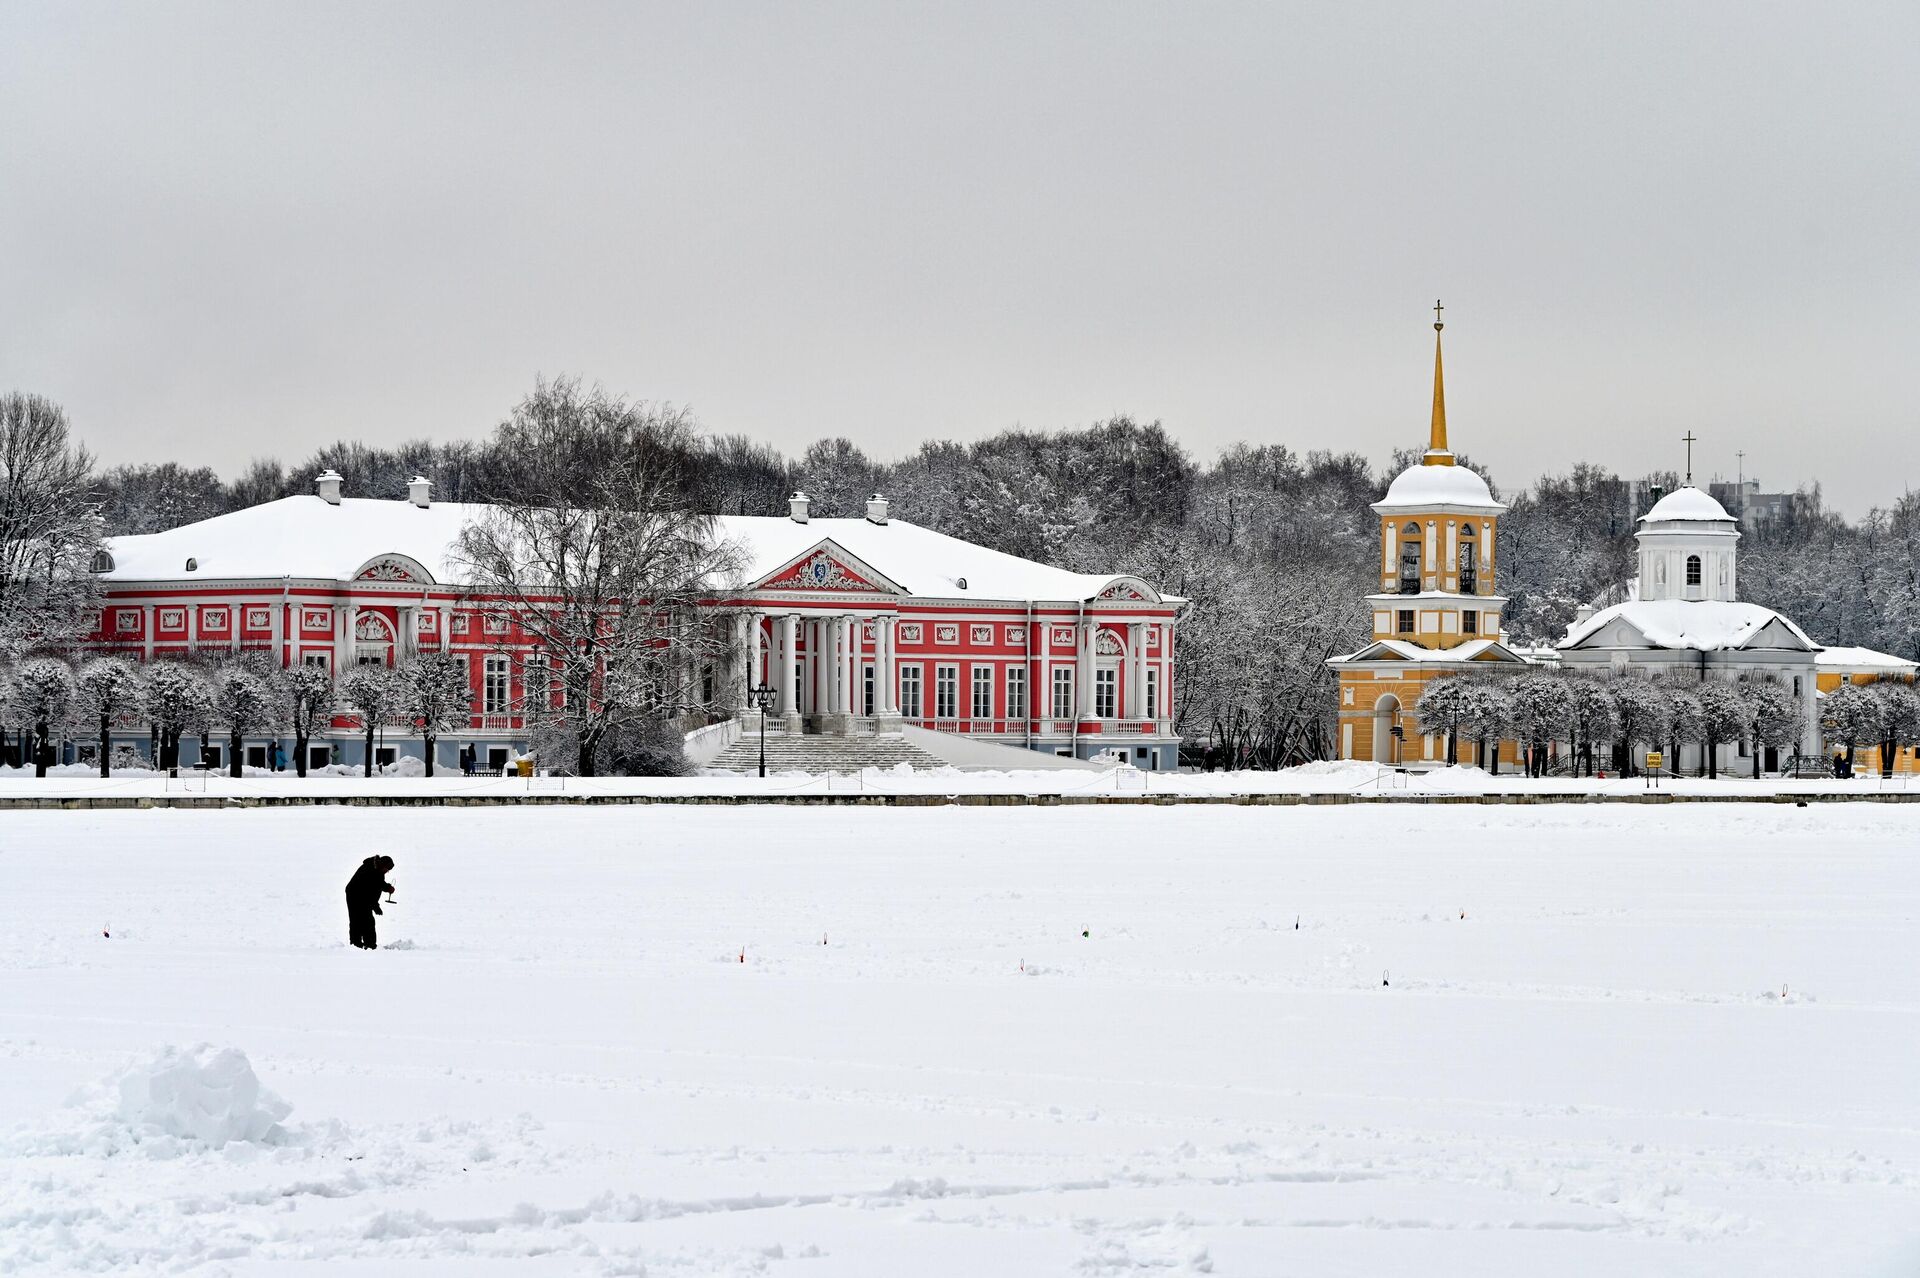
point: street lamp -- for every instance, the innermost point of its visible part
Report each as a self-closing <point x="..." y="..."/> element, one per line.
<point x="763" y="696"/>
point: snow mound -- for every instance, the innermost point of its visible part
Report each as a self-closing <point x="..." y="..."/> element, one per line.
<point x="203" y="1093"/>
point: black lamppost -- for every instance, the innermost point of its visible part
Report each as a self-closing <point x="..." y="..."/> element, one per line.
<point x="763" y="696"/>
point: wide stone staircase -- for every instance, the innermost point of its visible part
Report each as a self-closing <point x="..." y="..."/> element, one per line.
<point x="822" y="754"/>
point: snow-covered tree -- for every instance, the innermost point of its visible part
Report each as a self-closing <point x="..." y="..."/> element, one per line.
<point x="110" y="688"/>
<point x="1774" y="716"/>
<point x="1591" y="719"/>
<point x="1447" y="706"/>
<point x="49" y="528"/>
<point x="247" y="700"/>
<point x="437" y="694"/>
<point x="1853" y="714"/>
<point x="1724" y="716"/>
<point x="308" y="698"/>
<point x="41" y="692"/>
<point x="179" y="701"/>
<point x="1899" y="719"/>
<point x="375" y="693"/>
<point x="1540" y="710"/>
<point x="1642" y="712"/>
<point x="595" y="554"/>
<point x="1685" y="720"/>
<point x="1488" y="718"/>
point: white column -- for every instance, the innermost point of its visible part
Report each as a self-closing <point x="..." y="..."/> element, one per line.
<point x="409" y="637"/>
<point x="1083" y="674"/>
<point x="193" y="628"/>
<point x="850" y="667"/>
<point x="446" y="629"/>
<point x="147" y="619"/>
<point x="234" y="613"/>
<point x="1433" y="548"/>
<point x="790" y="669"/>
<point x="277" y="632"/>
<point x="352" y="637"/>
<point x="885" y="692"/>
<point x="1136" y="670"/>
<point x="1040" y="695"/>
<point x="1452" y="561"/>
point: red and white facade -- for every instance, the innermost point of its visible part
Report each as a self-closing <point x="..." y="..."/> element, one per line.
<point x="859" y="624"/>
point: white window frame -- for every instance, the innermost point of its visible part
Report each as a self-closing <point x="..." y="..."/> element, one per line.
<point x="490" y="669"/>
<point x="1153" y="693"/>
<point x="913" y="687"/>
<point x="946" y="691"/>
<point x="1063" y="692"/>
<point x="1106" y="692"/>
<point x="1016" y="692"/>
<point x="982" y="683"/>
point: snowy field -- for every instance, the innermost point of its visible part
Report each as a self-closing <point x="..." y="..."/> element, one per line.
<point x="1583" y="1063"/>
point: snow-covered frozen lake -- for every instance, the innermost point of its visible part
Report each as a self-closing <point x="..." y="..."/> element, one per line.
<point x="1582" y="1065"/>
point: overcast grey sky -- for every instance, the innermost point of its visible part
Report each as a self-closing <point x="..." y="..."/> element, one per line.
<point x="236" y="230"/>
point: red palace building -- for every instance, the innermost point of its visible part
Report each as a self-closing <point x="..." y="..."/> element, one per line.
<point x="861" y="625"/>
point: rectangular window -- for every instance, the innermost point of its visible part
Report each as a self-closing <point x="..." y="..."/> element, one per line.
<point x="320" y="659"/>
<point x="1063" y="692"/>
<point x="1470" y="623"/>
<point x="1106" y="693"/>
<point x="493" y="688"/>
<point x="1404" y="623"/>
<point x="983" y="692"/>
<point x="910" y="692"/>
<point x="1153" y="692"/>
<point x="946" y="692"/>
<point x="1016" y="692"/>
<point x="319" y="756"/>
<point x="866" y="689"/>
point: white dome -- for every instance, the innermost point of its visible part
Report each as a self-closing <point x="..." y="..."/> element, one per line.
<point x="1421" y="485"/>
<point x="1686" y="503"/>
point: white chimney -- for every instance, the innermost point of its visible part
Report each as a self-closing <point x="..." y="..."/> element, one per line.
<point x="420" y="492"/>
<point x="1582" y="614"/>
<point x="327" y="484"/>
<point x="797" y="507"/>
<point x="876" y="509"/>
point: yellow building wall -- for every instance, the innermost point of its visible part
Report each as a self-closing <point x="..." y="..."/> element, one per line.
<point x="1360" y="694"/>
<point x="1866" y="758"/>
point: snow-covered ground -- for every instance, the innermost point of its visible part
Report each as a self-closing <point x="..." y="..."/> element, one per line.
<point x="1363" y="780"/>
<point x="1034" y="1041"/>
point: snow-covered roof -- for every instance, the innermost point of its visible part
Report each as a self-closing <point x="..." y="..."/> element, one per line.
<point x="1687" y="503"/>
<point x="307" y="538"/>
<point x="1440" y="486"/>
<point x="1699" y="625"/>
<point x="919" y="560"/>
<point x="1863" y="659"/>
<point x="1471" y="650"/>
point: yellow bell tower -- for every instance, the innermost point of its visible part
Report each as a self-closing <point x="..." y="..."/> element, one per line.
<point x="1436" y="608"/>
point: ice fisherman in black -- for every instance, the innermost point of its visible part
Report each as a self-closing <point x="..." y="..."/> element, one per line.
<point x="363" y="899"/>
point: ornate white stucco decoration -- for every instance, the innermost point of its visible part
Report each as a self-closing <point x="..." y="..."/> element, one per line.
<point x="385" y="570"/>
<point x="823" y="572"/>
<point x="946" y="634"/>
<point x="1109" y="645"/>
<point x="371" y="627"/>
<point x="982" y="634"/>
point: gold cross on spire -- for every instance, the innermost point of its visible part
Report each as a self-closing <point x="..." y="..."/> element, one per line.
<point x="1437" y="308"/>
<point x="1689" y="440"/>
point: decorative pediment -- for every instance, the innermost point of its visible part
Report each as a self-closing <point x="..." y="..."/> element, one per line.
<point x="371" y="627"/>
<point x="827" y="567"/>
<point x="1129" y="590"/>
<point x="392" y="567"/>
<point x="1777" y="634"/>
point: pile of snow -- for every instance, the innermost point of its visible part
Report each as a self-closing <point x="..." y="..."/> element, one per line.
<point x="200" y="1093"/>
<point x="177" y="1100"/>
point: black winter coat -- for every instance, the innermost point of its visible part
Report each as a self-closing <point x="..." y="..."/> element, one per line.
<point x="368" y="882"/>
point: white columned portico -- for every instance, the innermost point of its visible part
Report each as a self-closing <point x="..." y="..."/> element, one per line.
<point x="1136" y="706"/>
<point x="885" y="682"/>
<point x="850" y="669"/>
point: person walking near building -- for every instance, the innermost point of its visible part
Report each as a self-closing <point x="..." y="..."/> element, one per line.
<point x="363" y="900"/>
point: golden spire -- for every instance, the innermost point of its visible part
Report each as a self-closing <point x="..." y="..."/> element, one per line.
<point x="1437" y="451"/>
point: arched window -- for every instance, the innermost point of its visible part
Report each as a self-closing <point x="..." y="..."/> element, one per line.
<point x="193" y="565"/>
<point x="1469" y="566"/>
<point x="102" y="561"/>
<point x="1693" y="570"/>
<point x="1410" y="568"/>
<point x="1411" y="530"/>
<point x="1466" y="530"/>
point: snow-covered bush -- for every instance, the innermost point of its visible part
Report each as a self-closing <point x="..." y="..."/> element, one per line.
<point x="110" y="688"/>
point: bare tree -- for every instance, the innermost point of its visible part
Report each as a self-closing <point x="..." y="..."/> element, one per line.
<point x="246" y="700"/>
<point x="437" y="694"/>
<point x="596" y="558"/>
<point x="309" y="694"/>
<point x="42" y="693"/>
<point x="375" y="692"/>
<point x="179" y="700"/>
<point x="110" y="687"/>
<point x="49" y="528"/>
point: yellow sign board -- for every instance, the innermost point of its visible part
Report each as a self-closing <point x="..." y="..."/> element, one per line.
<point x="1655" y="759"/>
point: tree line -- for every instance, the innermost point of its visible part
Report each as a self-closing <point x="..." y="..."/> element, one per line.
<point x="1275" y="549"/>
